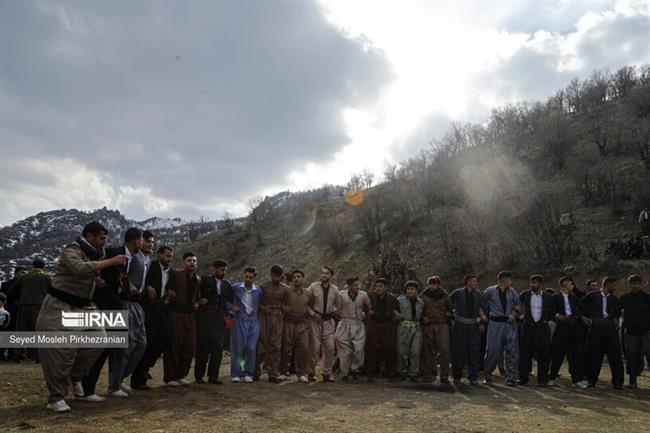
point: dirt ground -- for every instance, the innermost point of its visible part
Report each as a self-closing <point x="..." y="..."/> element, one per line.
<point x="360" y="406"/>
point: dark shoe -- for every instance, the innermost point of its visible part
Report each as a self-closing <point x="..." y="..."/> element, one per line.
<point x="345" y="378"/>
<point x="215" y="382"/>
<point x="473" y="382"/>
<point x="397" y="379"/>
<point x="312" y="378"/>
<point x="444" y="381"/>
<point x="511" y="383"/>
<point x="542" y="384"/>
<point x="413" y="379"/>
<point x="618" y="386"/>
<point x="458" y="382"/>
<point x="591" y="385"/>
<point x="199" y="381"/>
<point x="273" y="379"/>
<point x="143" y="387"/>
<point x="328" y="378"/>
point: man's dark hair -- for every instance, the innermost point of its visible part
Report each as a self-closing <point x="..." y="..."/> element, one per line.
<point x="3" y="297"/>
<point x="164" y="248"/>
<point x="188" y="254"/>
<point x="277" y="270"/>
<point x="589" y="282"/>
<point x="434" y="279"/>
<point x="38" y="264"/>
<point x="469" y="277"/>
<point x="536" y="277"/>
<point x="132" y="233"/>
<point x="413" y="283"/>
<point x="94" y="228"/>
<point x="504" y="274"/>
<point x="635" y="279"/>
<point x="329" y="268"/>
<point x="147" y="234"/>
<point x="383" y="281"/>
<point x="352" y="280"/>
<point x="565" y="279"/>
<point x="20" y="268"/>
<point x="250" y="270"/>
<point x="608" y="280"/>
<point x="297" y="271"/>
<point x="220" y="263"/>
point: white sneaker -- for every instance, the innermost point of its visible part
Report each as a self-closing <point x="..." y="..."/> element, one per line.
<point x="184" y="381"/>
<point x="94" y="398"/>
<point x="126" y="388"/>
<point x="78" y="389"/>
<point x="119" y="394"/>
<point x="282" y="377"/>
<point x="580" y="385"/>
<point x="59" y="406"/>
<point x="236" y="379"/>
<point x="303" y="379"/>
<point x="248" y="379"/>
<point x="173" y="383"/>
<point x="550" y="383"/>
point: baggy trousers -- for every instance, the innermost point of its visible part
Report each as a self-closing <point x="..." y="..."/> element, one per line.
<point x="243" y="341"/>
<point x="158" y="329"/>
<point x="269" y="346"/>
<point x="635" y="349"/>
<point x="436" y="348"/>
<point x="535" y="341"/>
<point x="137" y="342"/>
<point x="569" y="341"/>
<point x="322" y="334"/>
<point x="409" y="343"/>
<point x="466" y="350"/>
<point x="211" y="327"/>
<point x="295" y="343"/>
<point x="63" y="365"/>
<point x="350" y="345"/>
<point x="603" y="339"/>
<point x="502" y="336"/>
<point x="178" y="356"/>
<point x="381" y="338"/>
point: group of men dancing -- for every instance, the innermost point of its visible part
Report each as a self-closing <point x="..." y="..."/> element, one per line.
<point x="281" y="326"/>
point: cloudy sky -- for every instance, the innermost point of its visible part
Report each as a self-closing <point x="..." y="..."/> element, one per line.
<point x="189" y="109"/>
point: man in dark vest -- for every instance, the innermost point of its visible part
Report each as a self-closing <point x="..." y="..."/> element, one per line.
<point x="215" y="292"/>
<point x="539" y="309"/>
<point x="156" y="316"/>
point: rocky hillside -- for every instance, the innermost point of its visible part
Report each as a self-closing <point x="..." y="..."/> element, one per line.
<point x="43" y="235"/>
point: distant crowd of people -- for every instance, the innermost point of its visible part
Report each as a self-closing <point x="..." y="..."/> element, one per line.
<point x="285" y="327"/>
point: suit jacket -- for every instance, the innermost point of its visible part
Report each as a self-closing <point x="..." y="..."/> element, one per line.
<point x="558" y="300"/>
<point x="108" y="298"/>
<point x="548" y="306"/>
<point x="216" y="301"/>
<point x="592" y="305"/>
<point x="154" y="279"/>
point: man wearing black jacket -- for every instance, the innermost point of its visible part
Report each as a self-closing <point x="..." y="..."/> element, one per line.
<point x="12" y="308"/>
<point x="602" y="311"/>
<point x="570" y="334"/>
<point x="215" y="291"/>
<point x="636" y="323"/>
<point x="156" y="318"/>
<point x="110" y="296"/>
<point x="536" y="337"/>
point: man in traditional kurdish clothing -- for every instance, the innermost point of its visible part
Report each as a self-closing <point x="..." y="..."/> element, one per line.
<point x="504" y="305"/>
<point x="75" y="276"/>
<point x="436" y="345"/>
<point x="409" y="332"/>
<point x="296" y="337"/>
<point x="381" y="331"/>
<point x="183" y="291"/>
<point x="245" y="328"/>
<point x="350" y="331"/>
<point x="325" y="305"/>
<point x="269" y="346"/>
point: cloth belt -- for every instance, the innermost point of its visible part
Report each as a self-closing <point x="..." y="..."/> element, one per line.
<point x="602" y="322"/>
<point x="69" y="299"/>
<point x="326" y="317"/>
<point x="294" y="319"/>
<point x="181" y="308"/>
<point x="502" y="319"/>
<point x="410" y="324"/>
<point x="465" y="320"/>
